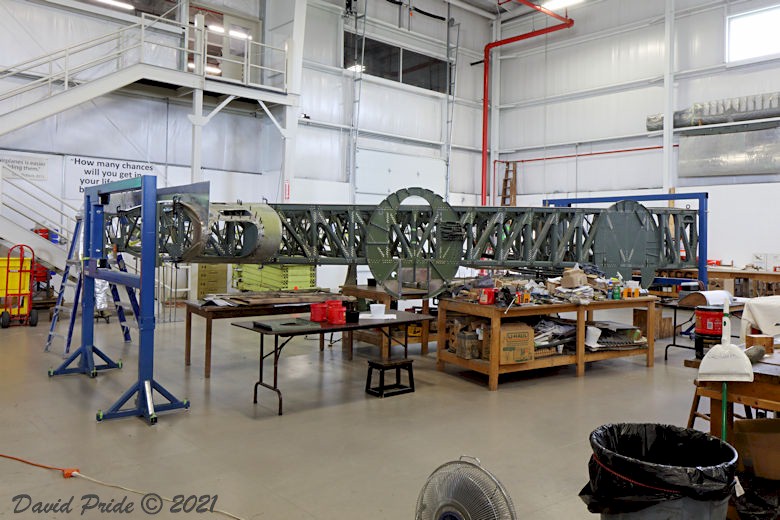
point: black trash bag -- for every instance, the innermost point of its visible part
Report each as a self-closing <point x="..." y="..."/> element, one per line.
<point x="761" y="500"/>
<point x="635" y="466"/>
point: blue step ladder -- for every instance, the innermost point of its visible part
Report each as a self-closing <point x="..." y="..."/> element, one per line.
<point x="64" y="284"/>
<point x="73" y="309"/>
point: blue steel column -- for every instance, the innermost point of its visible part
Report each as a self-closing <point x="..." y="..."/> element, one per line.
<point x="92" y="252"/>
<point x="145" y="385"/>
<point x="87" y="363"/>
<point x="703" y="210"/>
<point x="148" y="265"/>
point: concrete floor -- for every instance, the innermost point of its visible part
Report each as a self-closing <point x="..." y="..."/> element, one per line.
<point x="337" y="453"/>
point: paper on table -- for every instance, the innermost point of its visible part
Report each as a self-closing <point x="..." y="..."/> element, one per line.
<point x="717" y="297"/>
<point x="707" y="298"/>
<point x="369" y="316"/>
<point x="212" y="300"/>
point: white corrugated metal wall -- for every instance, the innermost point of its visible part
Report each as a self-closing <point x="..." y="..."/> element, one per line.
<point x="590" y="88"/>
<point x="393" y="117"/>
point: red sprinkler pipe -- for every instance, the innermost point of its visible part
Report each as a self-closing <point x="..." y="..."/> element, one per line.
<point x="566" y="23"/>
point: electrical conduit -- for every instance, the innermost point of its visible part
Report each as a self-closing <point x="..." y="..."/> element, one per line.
<point x="565" y="24"/>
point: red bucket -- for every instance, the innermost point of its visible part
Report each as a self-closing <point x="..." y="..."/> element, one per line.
<point x="337" y="315"/>
<point x="709" y="320"/>
<point x="318" y="312"/>
<point x="487" y="297"/>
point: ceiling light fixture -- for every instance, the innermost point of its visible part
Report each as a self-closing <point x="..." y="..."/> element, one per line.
<point x="554" y="5"/>
<point x="216" y="29"/>
<point x="211" y="69"/>
<point x="115" y="3"/>
<point x="238" y="34"/>
<point x="356" y="68"/>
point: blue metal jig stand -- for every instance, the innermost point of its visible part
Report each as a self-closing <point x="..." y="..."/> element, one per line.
<point x="96" y="267"/>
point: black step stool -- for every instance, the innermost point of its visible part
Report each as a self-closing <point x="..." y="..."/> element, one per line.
<point x="389" y="390"/>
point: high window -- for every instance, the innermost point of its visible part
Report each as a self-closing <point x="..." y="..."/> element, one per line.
<point x="395" y="63"/>
<point x="753" y="35"/>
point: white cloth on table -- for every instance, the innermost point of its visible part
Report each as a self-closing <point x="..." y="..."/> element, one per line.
<point x="762" y="313"/>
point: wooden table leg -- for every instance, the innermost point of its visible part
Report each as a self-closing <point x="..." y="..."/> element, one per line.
<point x="207" y="362"/>
<point x="322" y="342"/>
<point x="441" y="335"/>
<point x="650" y="334"/>
<point x="495" y="353"/>
<point x="346" y="344"/>
<point x="384" y="348"/>
<point x="580" y="344"/>
<point x="187" y="337"/>
<point x="425" y="329"/>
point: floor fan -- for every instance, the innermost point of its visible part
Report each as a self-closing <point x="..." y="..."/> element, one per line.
<point x="463" y="490"/>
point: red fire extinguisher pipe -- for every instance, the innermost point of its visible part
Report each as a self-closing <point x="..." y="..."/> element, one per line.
<point x="565" y="24"/>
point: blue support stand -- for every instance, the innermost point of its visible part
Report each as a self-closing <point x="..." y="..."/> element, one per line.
<point x="96" y="267"/>
<point x="699" y="196"/>
<point x="84" y="356"/>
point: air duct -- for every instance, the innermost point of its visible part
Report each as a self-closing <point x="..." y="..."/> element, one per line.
<point x="746" y="108"/>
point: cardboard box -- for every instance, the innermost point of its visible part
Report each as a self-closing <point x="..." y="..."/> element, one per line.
<point x="663" y="326"/>
<point x="764" y="340"/>
<point x="212" y="272"/>
<point x="485" y="352"/>
<point x="517" y="343"/>
<point x="573" y="278"/>
<point x="205" y="287"/>
<point x="758" y="443"/>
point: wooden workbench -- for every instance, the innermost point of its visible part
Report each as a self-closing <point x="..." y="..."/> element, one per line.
<point x="260" y="305"/>
<point x="762" y="393"/>
<point x="496" y="315"/>
<point x="379" y="295"/>
<point x="728" y="275"/>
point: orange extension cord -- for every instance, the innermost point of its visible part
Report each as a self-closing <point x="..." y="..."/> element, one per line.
<point x="66" y="472"/>
<point x="74" y="472"/>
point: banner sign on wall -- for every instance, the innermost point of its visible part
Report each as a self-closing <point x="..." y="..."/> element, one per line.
<point x="25" y="167"/>
<point x="83" y="172"/>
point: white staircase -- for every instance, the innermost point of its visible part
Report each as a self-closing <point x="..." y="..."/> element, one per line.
<point x="155" y="49"/>
<point x="51" y="255"/>
<point x="24" y="206"/>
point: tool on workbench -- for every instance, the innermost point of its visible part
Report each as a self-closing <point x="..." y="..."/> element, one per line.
<point x="725" y="363"/>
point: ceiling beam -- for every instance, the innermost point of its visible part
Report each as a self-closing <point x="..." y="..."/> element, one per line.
<point x="470" y="8"/>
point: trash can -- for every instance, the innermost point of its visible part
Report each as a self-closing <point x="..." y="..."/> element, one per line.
<point x="658" y="472"/>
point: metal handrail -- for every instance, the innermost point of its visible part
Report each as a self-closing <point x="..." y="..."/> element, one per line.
<point x="250" y="48"/>
<point x="66" y="212"/>
<point x="39" y="220"/>
<point x="64" y="74"/>
<point x="87" y="44"/>
<point x="122" y="39"/>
